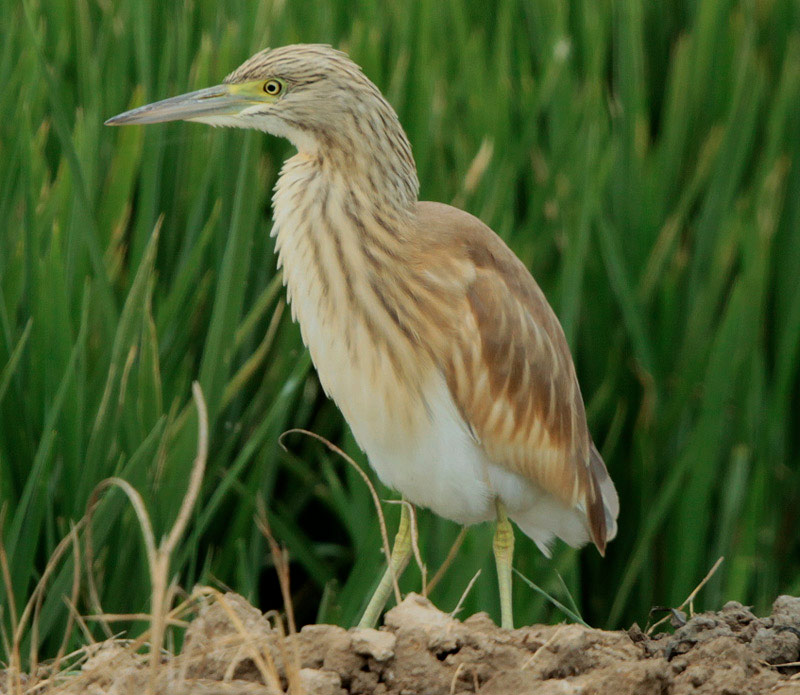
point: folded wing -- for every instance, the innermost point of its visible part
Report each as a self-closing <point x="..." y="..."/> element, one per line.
<point x="512" y="376"/>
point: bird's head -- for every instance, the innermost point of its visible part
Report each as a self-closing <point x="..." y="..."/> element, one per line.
<point x="317" y="98"/>
<point x="311" y="94"/>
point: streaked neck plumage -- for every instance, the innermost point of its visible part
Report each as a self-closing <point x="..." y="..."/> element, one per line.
<point x="344" y="215"/>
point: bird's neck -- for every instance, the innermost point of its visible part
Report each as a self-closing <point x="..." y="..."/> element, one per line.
<point x="348" y="259"/>
<point x="336" y="193"/>
<point x="370" y="156"/>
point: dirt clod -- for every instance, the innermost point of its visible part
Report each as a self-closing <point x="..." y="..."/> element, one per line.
<point x="379" y="645"/>
<point x="321" y="682"/>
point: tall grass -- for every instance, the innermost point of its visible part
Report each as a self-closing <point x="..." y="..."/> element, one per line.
<point x="645" y="164"/>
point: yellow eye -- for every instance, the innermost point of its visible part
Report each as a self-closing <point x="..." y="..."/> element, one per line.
<point x="273" y="87"/>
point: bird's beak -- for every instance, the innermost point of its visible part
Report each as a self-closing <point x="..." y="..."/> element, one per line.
<point x="204" y="103"/>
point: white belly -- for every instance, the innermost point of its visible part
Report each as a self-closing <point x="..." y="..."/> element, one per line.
<point x="432" y="460"/>
<point x="439" y="465"/>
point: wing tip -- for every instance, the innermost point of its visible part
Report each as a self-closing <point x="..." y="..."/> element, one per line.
<point x="602" y="503"/>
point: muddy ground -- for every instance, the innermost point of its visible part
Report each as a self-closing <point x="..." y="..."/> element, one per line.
<point x="231" y="647"/>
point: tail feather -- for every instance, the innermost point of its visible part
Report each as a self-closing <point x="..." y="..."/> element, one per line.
<point x="602" y="502"/>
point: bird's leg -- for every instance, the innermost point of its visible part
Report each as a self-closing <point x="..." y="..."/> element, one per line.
<point x="503" y="555"/>
<point x="401" y="552"/>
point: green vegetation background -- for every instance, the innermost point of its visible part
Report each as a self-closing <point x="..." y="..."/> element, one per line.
<point x="642" y="158"/>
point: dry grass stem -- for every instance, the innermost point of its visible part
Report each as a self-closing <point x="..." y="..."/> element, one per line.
<point x="73" y="599"/>
<point x="12" y="650"/>
<point x="545" y="646"/>
<point x="280" y="558"/>
<point x="262" y="659"/>
<point x="31" y="610"/>
<point x="451" y="555"/>
<point x="81" y="622"/>
<point x="291" y="662"/>
<point x="691" y="597"/>
<point x="457" y="673"/>
<point x="375" y="499"/>
<point x="463" y="598"/>
<point x="158" y="558"/>
<point x="160" y="568"/>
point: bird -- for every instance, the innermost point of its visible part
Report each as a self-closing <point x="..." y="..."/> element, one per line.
<point x="427" y="331"/>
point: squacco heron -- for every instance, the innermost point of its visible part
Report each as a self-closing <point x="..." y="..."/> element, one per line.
<point x="430" y="335"/>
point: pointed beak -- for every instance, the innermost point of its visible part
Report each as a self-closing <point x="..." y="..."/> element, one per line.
<point x="204" y="103"/>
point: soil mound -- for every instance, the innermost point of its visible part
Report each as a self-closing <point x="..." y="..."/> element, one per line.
<point x="231" y="647"/>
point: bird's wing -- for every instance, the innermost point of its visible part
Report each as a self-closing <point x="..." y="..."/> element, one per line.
<point x="511" y="374"/>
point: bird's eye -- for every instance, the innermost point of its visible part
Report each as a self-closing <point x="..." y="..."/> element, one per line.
<point x="273" y="87"/>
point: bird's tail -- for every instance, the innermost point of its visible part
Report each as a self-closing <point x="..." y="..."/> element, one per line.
<point x="602" y="502"/>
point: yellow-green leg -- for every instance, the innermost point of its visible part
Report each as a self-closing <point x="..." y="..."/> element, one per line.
<point x="503" y="556"/>
<point x="401" y="552"/>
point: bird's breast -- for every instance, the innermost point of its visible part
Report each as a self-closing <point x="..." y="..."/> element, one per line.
<point x="364" y="362"/>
